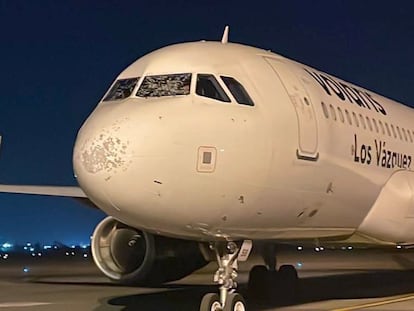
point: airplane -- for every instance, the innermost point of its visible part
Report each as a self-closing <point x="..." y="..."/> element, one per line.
<point x="199" y="151"/>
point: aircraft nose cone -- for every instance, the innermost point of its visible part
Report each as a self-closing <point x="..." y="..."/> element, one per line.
<point x="102" y="155"/>
<point x="132" y="162"/>
<point x="104" y="151"/>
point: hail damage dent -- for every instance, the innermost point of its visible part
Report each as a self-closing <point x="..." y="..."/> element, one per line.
<point x="106" y="152"/>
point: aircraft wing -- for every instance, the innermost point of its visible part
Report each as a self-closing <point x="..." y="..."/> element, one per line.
<point x="60" y="191"/>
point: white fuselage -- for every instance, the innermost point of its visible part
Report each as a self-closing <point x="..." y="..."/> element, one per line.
<point x="281" y="169"/>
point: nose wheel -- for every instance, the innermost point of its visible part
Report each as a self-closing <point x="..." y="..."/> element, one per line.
<point x="235" y="302"/>
<point x="210" y="302"/>
<point x="228" y="300"/>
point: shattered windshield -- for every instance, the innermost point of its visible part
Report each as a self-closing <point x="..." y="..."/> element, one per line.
<point x="165" y="85"/>
<point x="121" y="89"/>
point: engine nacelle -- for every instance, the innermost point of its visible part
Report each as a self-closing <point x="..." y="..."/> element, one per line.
<point x="130" y="256"/>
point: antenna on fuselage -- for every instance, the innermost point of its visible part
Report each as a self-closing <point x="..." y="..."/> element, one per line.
<point x="225" y="37"/>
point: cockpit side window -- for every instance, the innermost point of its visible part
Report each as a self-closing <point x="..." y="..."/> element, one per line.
<point x="208" y="86"/>
<point x="121" y="89"/>
<point x="238" y="91"/>
<point x="165" y="85"/>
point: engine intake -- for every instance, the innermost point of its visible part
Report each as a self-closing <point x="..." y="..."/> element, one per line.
<point x="130" y="256"/>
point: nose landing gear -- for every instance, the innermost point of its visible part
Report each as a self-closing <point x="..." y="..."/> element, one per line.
<point x="227" y="256"/>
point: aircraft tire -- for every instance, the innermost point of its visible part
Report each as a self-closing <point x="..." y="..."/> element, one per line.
<point x="288" y="280"/>
<point x="210" y="302"/>
<point x="258" y="282"/>
<point x="234" y="302"/>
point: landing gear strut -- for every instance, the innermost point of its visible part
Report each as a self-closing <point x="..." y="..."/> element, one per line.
<point x="227" y="254"/>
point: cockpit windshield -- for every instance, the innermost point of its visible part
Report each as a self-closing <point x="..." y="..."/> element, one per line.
<point x="121" y="89"/>
<point x="208" y="86"/>
<point x="165" y="85"/>
<point x="238" y="91"/>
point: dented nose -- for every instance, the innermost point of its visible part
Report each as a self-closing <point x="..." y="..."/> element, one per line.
<point x="119" y="153"/>
<point x="132" y="162"/>
<point x="102" y="153"/>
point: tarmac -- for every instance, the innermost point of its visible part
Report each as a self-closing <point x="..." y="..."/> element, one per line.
<point x="328" y="280"/>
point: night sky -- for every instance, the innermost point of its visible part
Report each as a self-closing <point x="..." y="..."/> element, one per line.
<point x="57" y="59"/>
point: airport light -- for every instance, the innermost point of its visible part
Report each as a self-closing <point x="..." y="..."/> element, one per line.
<point x="299" y="248"/>
<point x="399" y="247"/>
<point x="7" y="245"/>
<point x="26" y="269"/>
<point x="85" y="255"/>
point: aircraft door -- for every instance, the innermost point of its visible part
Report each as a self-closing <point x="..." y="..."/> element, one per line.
<point x="308" y="131"/>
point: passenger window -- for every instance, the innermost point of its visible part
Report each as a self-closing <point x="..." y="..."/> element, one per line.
<point x="208" y="86"/>
<point x="369" y="123"/>
<point x="333" y="112"/>
<point x="325" y="110"/>
<point x="362" y="121"/>
<point x="393" y="131"/>
<point x="410" y="136"/>
<point x="382" y="127"/>
<point x="388" y="129"/>
<point x="404" y="134"/>
<point x="399" y="132"/>
<point x="355" y="119"/>
<point x="121" y="89"/>
<point x="375" y="125"/>
<point x="348" y="117"/>
<point x="341" y="115"/>
<point x="238" y="91"/>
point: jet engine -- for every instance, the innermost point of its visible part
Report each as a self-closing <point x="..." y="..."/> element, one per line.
<point x="130" y="256"/>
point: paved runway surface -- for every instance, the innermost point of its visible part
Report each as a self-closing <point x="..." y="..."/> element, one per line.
<point x="329" y="280"/>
